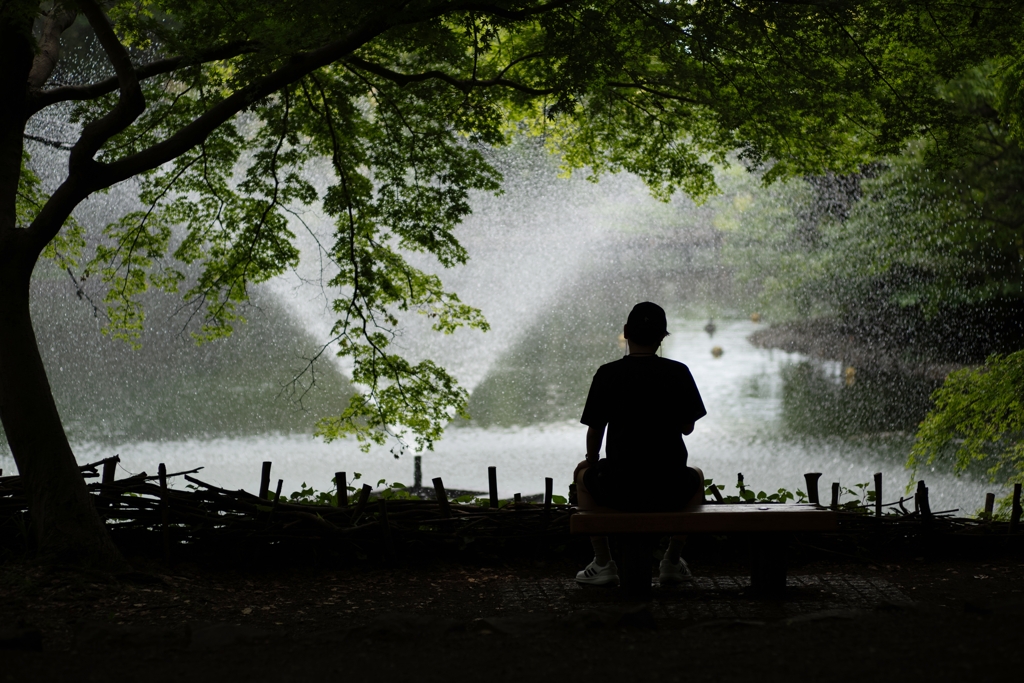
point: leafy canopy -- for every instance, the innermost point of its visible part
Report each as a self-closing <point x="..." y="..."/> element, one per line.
<point x="221" y="109"/>
<point x="979" y="416"/>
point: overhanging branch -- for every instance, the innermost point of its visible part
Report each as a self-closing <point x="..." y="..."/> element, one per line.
<point x="130" y="104"/>
<point x="41" y="100"/>
<point x="465" y="85"/>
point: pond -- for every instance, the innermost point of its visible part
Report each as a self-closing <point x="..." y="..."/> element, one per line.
<point x="760" y="403"/>
<point x="555" y="269"/>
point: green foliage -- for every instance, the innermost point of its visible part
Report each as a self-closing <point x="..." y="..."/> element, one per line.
<point x="747" y="494"/>
<point x="978" y="418"/>
<point x="396" y="102"/>
<point x="860" y="495"/>
<point x="66" y="248"/>
<point x="905" y="234"/>
<point x="307" y="495"/>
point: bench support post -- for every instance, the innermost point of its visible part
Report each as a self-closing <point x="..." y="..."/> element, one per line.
<point x="632" y="554"/>
<point x="768" y="563"/>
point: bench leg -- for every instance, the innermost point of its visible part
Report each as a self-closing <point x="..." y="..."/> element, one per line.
<point x="633" y="557"/>
<point x="768" y="563"/>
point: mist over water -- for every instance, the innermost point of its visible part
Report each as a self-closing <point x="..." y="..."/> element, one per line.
<point x="555" y="265"/>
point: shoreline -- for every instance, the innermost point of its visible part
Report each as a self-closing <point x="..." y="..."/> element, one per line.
<point x="833" y="340"/>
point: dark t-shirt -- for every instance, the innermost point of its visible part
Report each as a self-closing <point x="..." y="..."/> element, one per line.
<point x="645" y="401"/>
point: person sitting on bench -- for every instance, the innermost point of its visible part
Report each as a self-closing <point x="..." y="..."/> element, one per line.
<point x="646" y="404"/>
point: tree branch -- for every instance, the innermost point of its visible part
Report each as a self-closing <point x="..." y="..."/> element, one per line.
<point x="465" y="85"/>
<point x="56" y="22"/>
<point x="130" y="104"/>
<point x="40" y="100"/>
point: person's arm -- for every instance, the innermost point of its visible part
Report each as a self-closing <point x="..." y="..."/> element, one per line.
<point x="595" y="435"/>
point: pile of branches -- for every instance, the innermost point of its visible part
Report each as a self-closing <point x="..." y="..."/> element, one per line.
<point x="143" y="512"/>
<point x="145" y="515"/>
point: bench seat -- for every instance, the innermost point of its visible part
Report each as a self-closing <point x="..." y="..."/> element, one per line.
<point x="713" y="518"/>
<point x="766" y="528"/>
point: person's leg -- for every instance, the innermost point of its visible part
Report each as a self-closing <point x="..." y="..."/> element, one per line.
<point x="673" y="568"/>
<point x="602" y="570"/>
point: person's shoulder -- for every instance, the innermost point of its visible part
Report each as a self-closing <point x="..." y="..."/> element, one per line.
<point x="673" y="365"/>
<point x="611" y="368"/>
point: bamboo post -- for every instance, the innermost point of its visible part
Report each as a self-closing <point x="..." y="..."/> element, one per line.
<point x="811" y="480"/>
<point x="922" y="500"/>
<point x="385" y="526"/>
<point x="442" y="498"/>
<point x="417" y="472"/>
<point x="277" y="494"/>
<point x="990" y="504"/>
<point x="492" y="485"/>
<point x="549" y="489"/>
<point x="162" y="474"/>
<point x="878" y="494"/>
<point x="835" y="495"/>
<point x="1016" y="511"/>
<point x="739" y="482"/>
<point x="341" y="481"/>
<point x="265" y="480"/>
<point x="364" y="495"/>
<point x="110" y="469"/>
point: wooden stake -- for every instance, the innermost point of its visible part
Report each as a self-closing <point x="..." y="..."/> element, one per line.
<point x="549" y="489"/>
<point x="835" y="495"/>
<point x="878" y="494"/>
<point x="364" y="495"/>
<point x="716" y="493"/>
<point x="162" y="473"/>
<point x="1016" y="511"/>
<point x="922" y="500"/>
<point x="277" y="493"/>
<point x="990" y="504"/>
<point x="110" y="469"/>
<point x="811" y="480"/>
<point x="385" y="525"/>
<point x="341" y="481"/>
<point x="517" y="498"/>
<point x="492" y="484"/>
<point x="417" y="472"/>
<point x="265" y="480"/>
<point x="442" y="498"/>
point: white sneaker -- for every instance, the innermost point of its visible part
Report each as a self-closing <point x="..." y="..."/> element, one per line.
<point x="596" y="575"/>
<point x="669" y="573"/>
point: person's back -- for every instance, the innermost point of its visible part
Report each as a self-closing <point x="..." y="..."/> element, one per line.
<point x="646" y="404"/>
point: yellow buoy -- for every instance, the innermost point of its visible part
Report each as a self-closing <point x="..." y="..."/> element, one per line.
<point x="716" y="351"/>
<point x="755" y="317"/>
<point x="851" y="375"/>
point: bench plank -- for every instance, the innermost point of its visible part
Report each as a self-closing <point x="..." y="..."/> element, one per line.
<point x="710" y="518"/>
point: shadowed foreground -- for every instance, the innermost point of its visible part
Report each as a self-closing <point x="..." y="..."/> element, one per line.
<point x="508" y="620"/>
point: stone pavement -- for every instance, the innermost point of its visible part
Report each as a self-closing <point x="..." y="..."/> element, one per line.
<point x="713" y="598"/>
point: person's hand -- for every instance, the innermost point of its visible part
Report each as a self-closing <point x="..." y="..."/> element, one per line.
<point x="589" y="460"/>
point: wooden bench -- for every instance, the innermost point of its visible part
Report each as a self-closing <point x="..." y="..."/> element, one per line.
<point x="766" y="526"/>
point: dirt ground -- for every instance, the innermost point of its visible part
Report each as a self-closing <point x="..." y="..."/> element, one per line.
<point x="504" y="619"/>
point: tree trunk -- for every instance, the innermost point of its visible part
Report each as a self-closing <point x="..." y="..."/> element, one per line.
<point x="66" y="525"/>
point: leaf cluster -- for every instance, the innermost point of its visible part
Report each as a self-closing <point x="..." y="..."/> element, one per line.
<point x="978" y="418"/>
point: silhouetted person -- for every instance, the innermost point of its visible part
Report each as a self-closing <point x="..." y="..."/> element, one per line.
<point x="646" y="404"/>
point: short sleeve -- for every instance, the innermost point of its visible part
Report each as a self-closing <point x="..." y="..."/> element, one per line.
<point x="692" y="404"/>
<point x="596" y="412"/>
